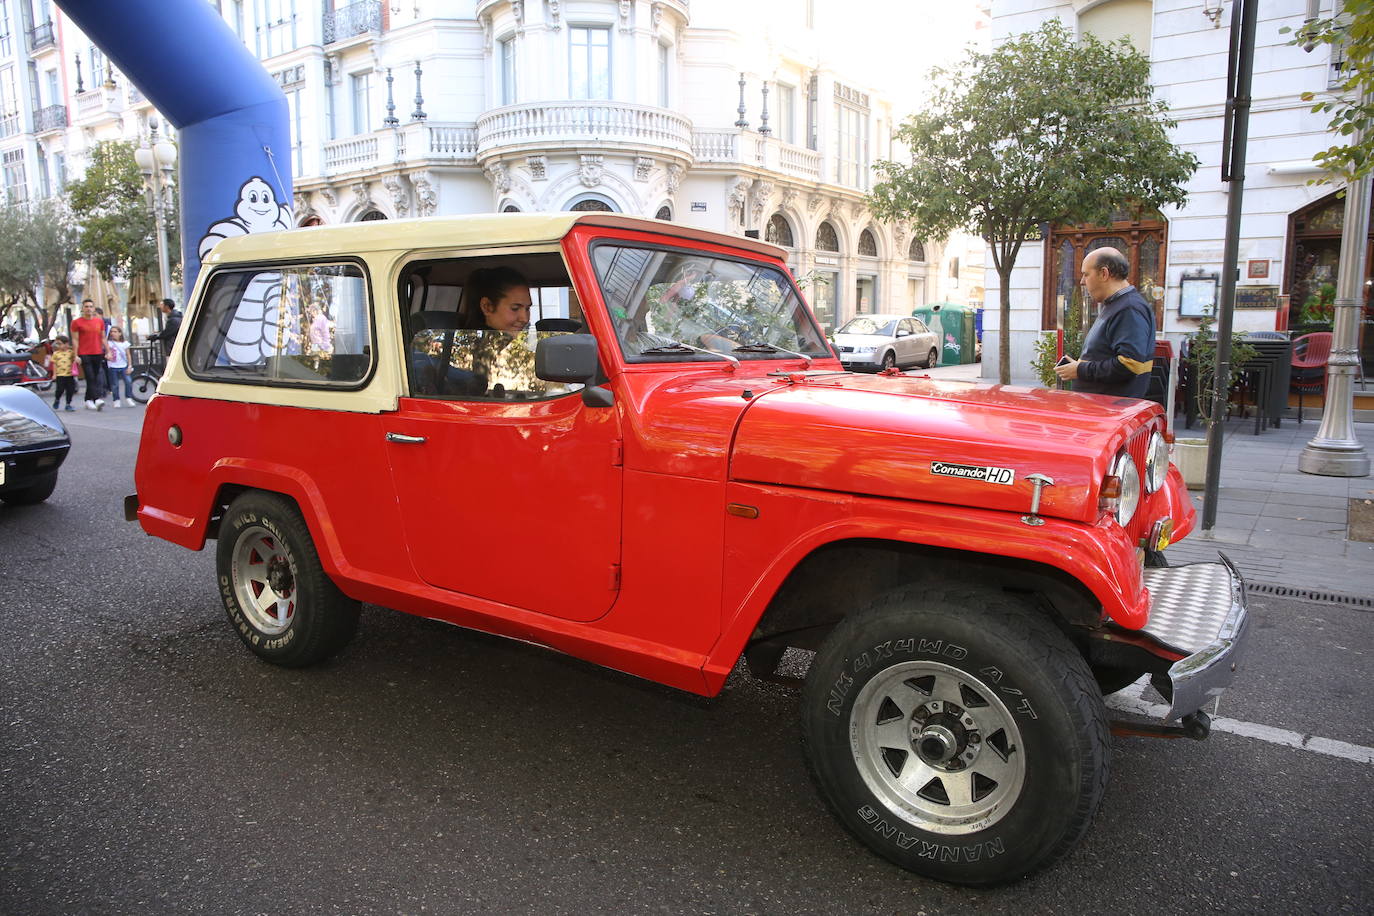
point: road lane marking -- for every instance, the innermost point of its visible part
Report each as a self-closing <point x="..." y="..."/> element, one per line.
<point x="1129" y="700"/>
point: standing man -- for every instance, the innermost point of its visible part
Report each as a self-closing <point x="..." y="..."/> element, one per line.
<point x="1118" y="352"/>
<point x="90" y="349"/>
<point x="168" y="334"/>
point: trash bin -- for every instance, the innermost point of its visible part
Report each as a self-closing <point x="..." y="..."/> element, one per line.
<point x="956" y="325"/>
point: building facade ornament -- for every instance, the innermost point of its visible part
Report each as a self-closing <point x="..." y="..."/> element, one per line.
<point x="625" y="7"/>
<point x="554" y="13"/>
<point x="789" y="199"/>
<point x="362" y="194"/>
<point x="592" y="168"/>
<point x="813" y="203"/>
<point x="739" y="193"/>
<point x="488" y="31"/>
<point x="674" y="179"/>
<point x="498" y="175"/>
<point x="538" y="166"/>
<point x="330" y="196"/>
<point x="857" y="209"/>
<point x="656" y="15"/>
<point x="400" y="200"/>
<point x="426" y="198"/>
<point x="643" y="166"/>
<point x="763" y="192"/>
<point x="300" y="202"/>
<point x="517" y="7"/>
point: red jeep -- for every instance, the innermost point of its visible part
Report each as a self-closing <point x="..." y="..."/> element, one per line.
<point x="629" y="441"/>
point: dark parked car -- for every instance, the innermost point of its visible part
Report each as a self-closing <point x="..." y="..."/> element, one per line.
<point x="33" y="445"/>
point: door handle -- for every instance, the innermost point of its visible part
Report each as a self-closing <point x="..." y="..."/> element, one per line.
<point x="402" y="437"/>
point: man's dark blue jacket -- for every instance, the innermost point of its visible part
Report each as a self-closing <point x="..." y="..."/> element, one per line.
<point x="1119" y="349"/>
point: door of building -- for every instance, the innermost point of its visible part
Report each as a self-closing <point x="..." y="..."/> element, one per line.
<point x="1141" y="237"/>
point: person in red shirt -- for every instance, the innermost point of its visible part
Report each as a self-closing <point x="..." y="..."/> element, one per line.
<point x="89" y="331"/>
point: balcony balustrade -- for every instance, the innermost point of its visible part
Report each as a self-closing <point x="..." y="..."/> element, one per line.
<point x="353" y="20"/>
<point x="42" y="36"/>
<point x="745" y="147"/>
<point x="411" y="145"/>
<point x="352" y="153"/>
<point x="549" y="125"/>
<point x="96" y="102"/>
<point x="54" y="117"/>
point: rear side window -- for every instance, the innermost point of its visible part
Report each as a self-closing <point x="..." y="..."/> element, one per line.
<point x="297" y="325"/>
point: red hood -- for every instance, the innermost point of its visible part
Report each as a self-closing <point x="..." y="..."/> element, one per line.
<point x="935" y="441"/>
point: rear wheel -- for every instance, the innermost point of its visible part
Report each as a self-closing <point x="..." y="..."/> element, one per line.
<point x="144" y="386"/>
<point x="278" y="597"/>
<point x="932" y="358"/>
<point x="957" y="734"/>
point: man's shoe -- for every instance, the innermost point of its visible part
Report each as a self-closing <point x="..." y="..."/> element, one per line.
<point x="90" y="405"/>
<point x="99" y="403"/>
<point x="116" y="402"/>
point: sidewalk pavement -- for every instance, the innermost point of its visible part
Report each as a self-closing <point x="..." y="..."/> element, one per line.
<point x="1280" y="526"/>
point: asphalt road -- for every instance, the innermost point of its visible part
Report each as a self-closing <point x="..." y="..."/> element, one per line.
<point x="149" y="764"/>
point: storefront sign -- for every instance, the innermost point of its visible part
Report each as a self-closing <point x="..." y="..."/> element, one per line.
<point x="698" y="206"/>
<point x="830" y="261"/>
<point x="1257" y="269"/>
<point x="1257" y="297"/>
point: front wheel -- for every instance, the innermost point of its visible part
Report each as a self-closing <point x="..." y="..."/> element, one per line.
<point x="144" y="386"/>
<point x="889" y="360"/>
<point x="958" y="734"/>
<point x="278" y="597"/>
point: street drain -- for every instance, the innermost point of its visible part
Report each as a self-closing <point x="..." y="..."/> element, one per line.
<point x="1307" y="594"/>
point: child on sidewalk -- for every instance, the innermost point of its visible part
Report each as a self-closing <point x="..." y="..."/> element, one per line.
<point x="63" y="371"/>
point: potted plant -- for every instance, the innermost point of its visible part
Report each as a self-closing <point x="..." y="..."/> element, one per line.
<point x="1190" y="455"/>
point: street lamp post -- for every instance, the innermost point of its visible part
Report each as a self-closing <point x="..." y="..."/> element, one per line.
<point x="156" y="159"/>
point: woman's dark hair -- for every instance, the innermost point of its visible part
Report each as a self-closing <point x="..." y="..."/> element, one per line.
<point x="487" y="283"/>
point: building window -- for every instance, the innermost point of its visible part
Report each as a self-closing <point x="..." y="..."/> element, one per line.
<point x="662" y="76"/>
<point x="868" y="245"/>
<point x="277" y="28"/>
<point x="664" y="213"/>
<point x="371" y="216"/>
<point x="592" y="204"/>
<point x="778" y="231"/>
<point x="1142" y="236"/>
<point x="917" y="252"/>
<point x="813" y="101"/>
<point x="590" y="76"/>
<point x="4" y="28"/>
<point x="360" y="85"/>
<point x="826" y="239"/>
<point x="293" y="103"/>
<point x="238" y="18"/>
<point x="9" y="104"/>
<point x="331" y="127"/>
<point x="850" y="135"/>
<point x="59" y="167"/>
<point x="787" y="113"/>
<point x="44" y="181"/>
<point x="16" y="185"/>
<point x="510" y="208"/>
<point x="508" y="71"/>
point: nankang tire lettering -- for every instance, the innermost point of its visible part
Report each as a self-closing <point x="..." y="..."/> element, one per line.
<point x="941" y="852"/>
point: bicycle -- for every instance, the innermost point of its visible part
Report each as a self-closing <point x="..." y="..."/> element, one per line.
<point x="145" y="379"/>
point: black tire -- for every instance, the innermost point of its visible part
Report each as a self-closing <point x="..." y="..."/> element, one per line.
<point x="986" y="698"/>
<point x="32" y="495"/>
<point x="932" y="359"/>
<point x="143" y="387"/>
<point x="266" y="560"/>
<point x="889" y="360"/>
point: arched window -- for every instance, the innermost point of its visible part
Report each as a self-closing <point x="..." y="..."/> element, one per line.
<point x="868" y="245"/>
<point x="312" y="220"/>
<point x="779" y="231"/>
<point x="826" y="239"/>
<point x="510" y="208"/>
<point x="371" y="215"/>
<point x="664" y="213"/>
<point x="917" y="252"/>
<point x="1141" y="235"/>
<point x="592" y="204"/>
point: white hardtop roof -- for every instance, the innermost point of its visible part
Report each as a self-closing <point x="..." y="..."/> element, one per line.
<point x="484" y="230"/>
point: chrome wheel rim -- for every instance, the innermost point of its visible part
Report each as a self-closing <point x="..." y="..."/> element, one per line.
<point x="264" y="580"/>
<point x="938" y="747"/>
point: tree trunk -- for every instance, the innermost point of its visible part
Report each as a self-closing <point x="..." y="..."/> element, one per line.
<point x="1004" y="318"/>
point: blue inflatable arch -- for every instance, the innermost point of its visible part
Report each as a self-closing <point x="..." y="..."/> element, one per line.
<point x="232" y="119"/>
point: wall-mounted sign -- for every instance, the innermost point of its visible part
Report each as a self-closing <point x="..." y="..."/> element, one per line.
<point x="1198" y="295"/>
<point x="698" y="206"/>
<point x="829" y="261"/>
<point x="1257" y="270"/>
<point x="1257" y="297"/>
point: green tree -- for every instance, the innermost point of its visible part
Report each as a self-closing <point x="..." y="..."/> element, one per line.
<point x="1351" y="103"/>
<point x="41" y="246"/>
<point x="117" y="227"/>
<point x="1045" y="128"/>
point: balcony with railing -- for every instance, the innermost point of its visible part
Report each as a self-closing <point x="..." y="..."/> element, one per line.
<point x="414" y="144"/>
<point x="352" y="20"/>
<point x="746" y="147"/>
<point x="42" y="36"/>
<point x="97" y="102"/>
<point x="54" y="117"/>
<point x="551" y="125"/>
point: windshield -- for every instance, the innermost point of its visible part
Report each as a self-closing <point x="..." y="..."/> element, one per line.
<point x="672" y="305"/>
<point x="862" y="325"/>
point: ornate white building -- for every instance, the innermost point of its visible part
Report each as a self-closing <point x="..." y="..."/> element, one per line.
<point x="728" y="116"/>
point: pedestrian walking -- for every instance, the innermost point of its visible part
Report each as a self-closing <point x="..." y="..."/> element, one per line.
<point x="1118" y="351"/>
<point x="168" y="334"/>
<point x="117" y="360"/>
<point x="63" y="364"/>
<point x="90" y="349"/>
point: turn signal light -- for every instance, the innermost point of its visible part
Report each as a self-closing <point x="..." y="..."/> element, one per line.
<point x="1111" y="487"/>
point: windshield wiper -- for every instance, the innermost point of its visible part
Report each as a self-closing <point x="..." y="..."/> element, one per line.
<point x="770" y="348"/>
<point x="679" y="347"/>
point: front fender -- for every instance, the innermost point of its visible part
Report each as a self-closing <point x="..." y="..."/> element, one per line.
<point x="761" y="552"/>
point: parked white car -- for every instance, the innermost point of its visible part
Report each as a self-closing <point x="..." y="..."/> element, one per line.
<point x="883" y="341"/>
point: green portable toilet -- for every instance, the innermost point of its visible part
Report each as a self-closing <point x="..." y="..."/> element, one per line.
<point x="955" y="325"/>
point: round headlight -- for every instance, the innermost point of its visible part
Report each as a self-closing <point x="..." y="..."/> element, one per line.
<point x="1156" y="462"/>
<point x="1129" y="475"/>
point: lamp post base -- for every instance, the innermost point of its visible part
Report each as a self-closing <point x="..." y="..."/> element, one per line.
<point x="1334" y="459"/>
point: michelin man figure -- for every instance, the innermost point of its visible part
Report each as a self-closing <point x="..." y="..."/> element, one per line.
<point x="257" y="210"/>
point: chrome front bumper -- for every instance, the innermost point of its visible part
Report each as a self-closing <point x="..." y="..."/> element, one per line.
<point x="1199" y="610"/>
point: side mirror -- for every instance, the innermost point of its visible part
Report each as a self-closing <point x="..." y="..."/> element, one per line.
<point x="572" y="358"/>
